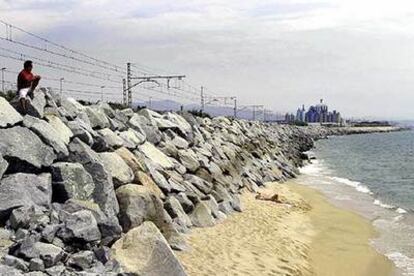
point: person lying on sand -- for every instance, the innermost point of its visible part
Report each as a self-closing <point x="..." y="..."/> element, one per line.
<point x="268" y="197"/>
<point x="26" y="84"/>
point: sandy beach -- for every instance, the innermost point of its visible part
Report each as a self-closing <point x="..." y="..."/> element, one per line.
<point x="303" y="235"/>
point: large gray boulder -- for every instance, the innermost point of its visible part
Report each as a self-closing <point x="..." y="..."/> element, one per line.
<point x="71" y="180"/>
<point x="106" y="108"/>
<point x="145" y="180"/>
<point x="131" y="138"/>
<point x="185" y="202"/>
<point x="145" y="251"/>
<point x="181" y="123"/>
<point x="150" y="115"/>
<point x="199" y="183"/>
<point x="138" y="204"/>
<point x="116" y="166"/>
<point x="25" y="190"/>
<point x="159" y="179"/>
<point x="133" y="161"/>
<point x="65" y="134"/>
<point x="83" y="260"/>
<point x="47" y="133"/>
<point x="189" y="159"/>
<point x="179" y="143"/>
<point x="10" y="271"/>
<point x="164" y="124"/>
<point x="155" y="155"/>
<point x="21" y="144"/>
<point x="117" y="125"/>
<point x="201" y="216"/>
<point x="176" y="211"/>
<point x="107" y="140"/>
<point x="82" y="130"/>
<point x="71" y="106"/>
<point x="15" y="262"/>
<point x="108" y="226"/>
<point x="104" y="194"/>
<point x="97" y="117"/>
<point x="146" y="127"/>
<point x="81" y="225"/>
<point x="49" y="253"/>
<point x="8" y="115"/>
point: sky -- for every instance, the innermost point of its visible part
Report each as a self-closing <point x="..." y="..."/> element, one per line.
<point x="357" y="55"/>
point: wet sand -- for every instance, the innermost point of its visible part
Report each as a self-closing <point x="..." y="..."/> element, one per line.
<point x="340" y="245"/>
<point x="304" y="235"/>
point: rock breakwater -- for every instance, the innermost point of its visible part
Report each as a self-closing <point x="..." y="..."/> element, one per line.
<point x="89" y="190"/>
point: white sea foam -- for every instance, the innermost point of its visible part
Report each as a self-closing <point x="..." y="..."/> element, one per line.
<point x="357" y="185"/>
<point x="313" y="168"/>
<point x="402" y="261"/>
<point x="401" y="211"/>
<point x="383" y="205"/>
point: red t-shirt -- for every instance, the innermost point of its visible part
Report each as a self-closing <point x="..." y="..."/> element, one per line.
<point x="24" y="80"/>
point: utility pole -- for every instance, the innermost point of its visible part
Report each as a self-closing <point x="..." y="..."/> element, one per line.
<point x="202" y="98"/>
<point x="235" y="108"/>
<point x="61" y="85"/>
<point x="124" y="92"/>
<point x="2" y="78"/>
<point x="129" y="86"/>
<point x="144" y="79"/>
<point x="150" y="102"/>
<point x="102" y="95"/>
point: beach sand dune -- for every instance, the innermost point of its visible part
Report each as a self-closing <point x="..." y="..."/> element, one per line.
<point x="303" y="235"/>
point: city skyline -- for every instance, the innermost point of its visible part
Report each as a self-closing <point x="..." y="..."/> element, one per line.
<point x="318" y="113"/>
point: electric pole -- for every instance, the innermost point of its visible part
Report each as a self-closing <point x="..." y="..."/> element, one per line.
<point x="124" y="92"/>
<point x="202" y="98"/>
<point x="102" y="95"/>
<point x="144" y="79"/>
<point x="235" y="108"/>
<point x="61" y="85"/>
<point x="2" y="78"/>
<point x="129" y="87"/>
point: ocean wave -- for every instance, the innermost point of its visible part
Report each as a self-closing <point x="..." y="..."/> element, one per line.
<point x="313" y="168"/>
<point x="401" y="211"/>
<point x="402" y="261"/>
<point x="389" y="206"/>
<point x="355" y="184"/>
<point x="383" y="205"/>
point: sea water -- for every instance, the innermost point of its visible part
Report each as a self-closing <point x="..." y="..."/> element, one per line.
<point x="373" y="175"/>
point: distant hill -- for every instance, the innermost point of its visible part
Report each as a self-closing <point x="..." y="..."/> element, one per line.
<point x="213" y="110"/>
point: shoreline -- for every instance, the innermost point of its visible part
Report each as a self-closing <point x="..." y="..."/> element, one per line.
<point x="341" y="244"/>
<point x="300" y="236"/>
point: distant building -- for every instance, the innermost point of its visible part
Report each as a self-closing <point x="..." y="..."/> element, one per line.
<point x="289" y="118"/>
<point x="300" y="114"/>
<point x="318" y="114"/>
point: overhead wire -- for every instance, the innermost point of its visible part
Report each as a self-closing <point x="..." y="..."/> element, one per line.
<point x="54" y="63"/>
<point x="112" y="67"/>
<point x="182" y="89"/>
<point x="59" y="68"/>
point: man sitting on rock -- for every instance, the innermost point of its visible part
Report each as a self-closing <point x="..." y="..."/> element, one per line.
<point x="26" y="84"/>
